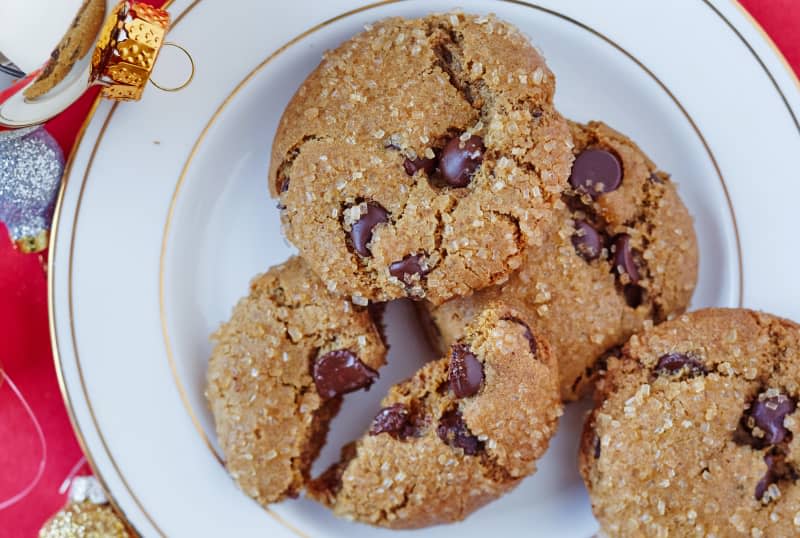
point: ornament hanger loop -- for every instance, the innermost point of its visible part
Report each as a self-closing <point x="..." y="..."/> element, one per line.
<point x="191" y="73"/>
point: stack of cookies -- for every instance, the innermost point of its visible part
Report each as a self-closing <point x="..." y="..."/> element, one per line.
<point x="424" y="159"/>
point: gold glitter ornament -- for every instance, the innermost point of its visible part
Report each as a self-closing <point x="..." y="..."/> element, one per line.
<point x="85" y="520"/>
<point x="88" y="514"/>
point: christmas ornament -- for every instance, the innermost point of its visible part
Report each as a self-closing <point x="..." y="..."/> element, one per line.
<point x="118" y="54"/>
<point x="31" y="164"/>
<point x="87" y="515"/>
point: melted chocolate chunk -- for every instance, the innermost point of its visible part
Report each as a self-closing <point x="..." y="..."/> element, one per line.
<point x="778" y="470"/>
<point x="596" y="171"/>
<point x="454" y="432"/>
<point x="361" y="231"/>
<point x="672" y="363"/>
<point x="767" y="415"/>
<point x="623" y="258"/>
<point x="634" y="295"/>
<point x="339" y="372"/>
<point x="460" y="160"/>
<point x="465" y="372"/>
<point x="405" y="269"/>
<point x="587" y="241"/>
<point x="412" y="166"/>
<point x="395" y="420"/>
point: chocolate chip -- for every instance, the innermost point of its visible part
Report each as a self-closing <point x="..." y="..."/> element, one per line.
<point x="675" y="362"/>
<point x="339" y="372"/>
<point x="623" y="258"/>
<point x="655" y="178"/>
<point x="767" y="414"/>
<point x="423" y="163"/>
<point x="777" y="469"/>
<point x="283" y="184"/>
<point x="454" y="432"/>
<point x="527" y="334"/>
<point x="586" y="240"/>
<point x="596" y="171"/>
<point x="405" y="269"/>
<point x="767" y="479"/>
<point x="597" y="447"/>
<point x="460" y="159"/>
<point x="361" y="231"/>
<point x="634" y="295"/>
<point x="394" y="420"/>
<point x="466" y="371"/>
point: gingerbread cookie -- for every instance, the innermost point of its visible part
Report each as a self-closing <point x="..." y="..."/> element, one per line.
<point x="619" y="251"/>
<point x="78" y="41"/>
<point x="459" y="434"/>
<point x="420" y="157"/>
<point x="277" y="375"/>
<point x="693" y="433"/>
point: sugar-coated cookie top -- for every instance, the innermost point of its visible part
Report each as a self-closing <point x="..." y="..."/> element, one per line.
<point x="277" y="373"/>
<point x="609" y="262"/>
<point x="695" y="430"/>
<point x="420" y="157"/>
<point x="460" y="433"/>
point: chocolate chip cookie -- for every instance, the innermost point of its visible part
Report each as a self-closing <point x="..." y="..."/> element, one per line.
<point x="420" y="157"/>
<point x="618" y="253"/>
<point x="277" y="375"/>
<point x="76" y="43"/>
<point x="693" y="434"/>
<point x="459" y="434"/>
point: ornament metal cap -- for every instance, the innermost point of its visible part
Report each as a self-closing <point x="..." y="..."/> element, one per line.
<point x="127" y="49"/>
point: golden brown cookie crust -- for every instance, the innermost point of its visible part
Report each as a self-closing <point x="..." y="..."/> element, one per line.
<point x="271" y="420"/>
<point x="416" y="479"/>
<point x="580" y="306"/>
<point x="674" y="452"/>
<point x="400" y="90"/>
<point x="76" y="43"/>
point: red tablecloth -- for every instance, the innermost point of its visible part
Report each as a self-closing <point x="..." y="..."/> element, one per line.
<point x="25" y="345"/>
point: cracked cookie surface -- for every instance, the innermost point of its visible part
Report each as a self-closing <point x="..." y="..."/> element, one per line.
<point x="461" y="432"/>
<point x="277" y="374"/>
<point x="614" y="258"/>
<point x="420" y="157"/>
<point x="694" y="430"/>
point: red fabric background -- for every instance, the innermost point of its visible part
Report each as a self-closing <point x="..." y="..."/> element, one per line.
<point x="25" y="346"/>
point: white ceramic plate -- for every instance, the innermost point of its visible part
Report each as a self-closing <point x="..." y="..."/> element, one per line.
<point x="165" y="218"/>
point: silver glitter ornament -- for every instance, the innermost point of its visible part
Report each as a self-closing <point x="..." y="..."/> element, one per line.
<point x="31" y="165"/>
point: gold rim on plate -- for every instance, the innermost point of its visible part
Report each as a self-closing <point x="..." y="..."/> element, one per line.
<point x="230" y="97"/>
<point x="263" y="63"/>
<point x="90" y="116"/>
